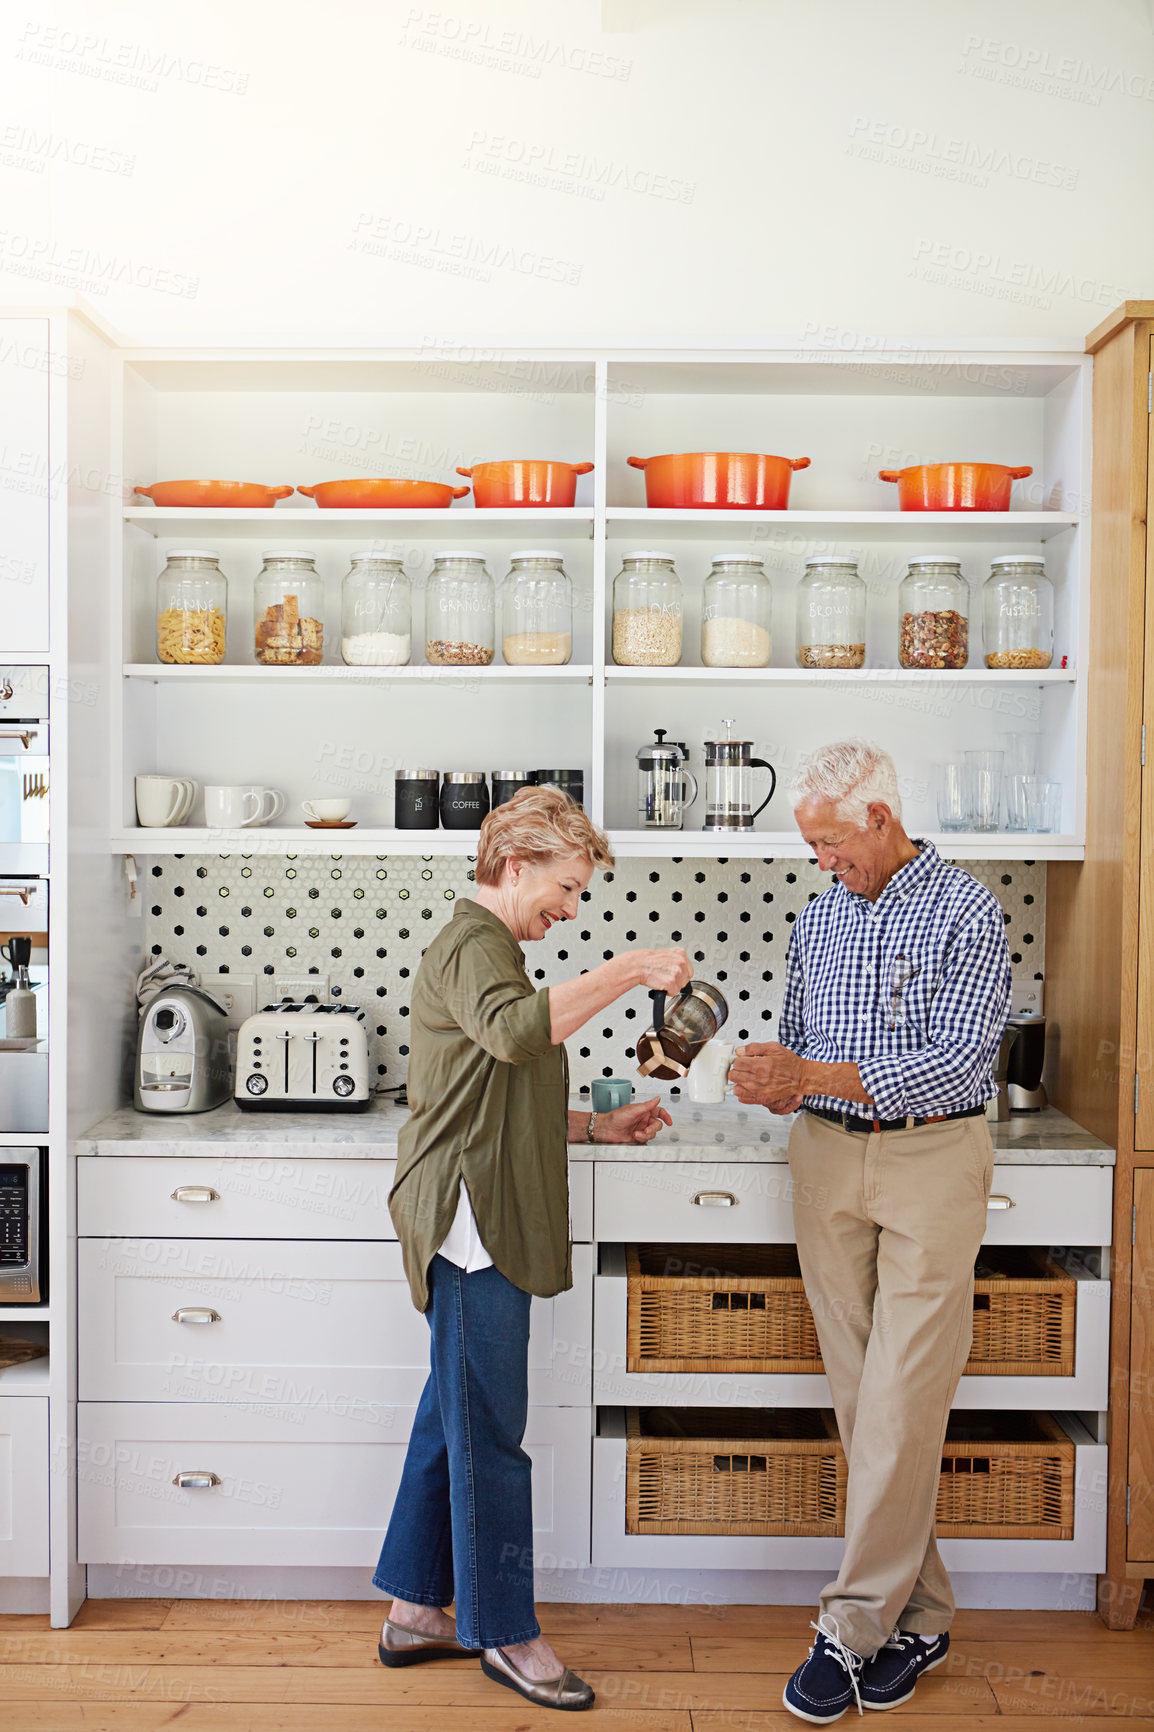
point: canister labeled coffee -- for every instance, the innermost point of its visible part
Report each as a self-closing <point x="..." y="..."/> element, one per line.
<point x="464" y="799"/>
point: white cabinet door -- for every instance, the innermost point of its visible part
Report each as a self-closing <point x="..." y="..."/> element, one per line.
<point x="23" y="1485"/>
<point x="26" y="481"/>
<point x="236" y="1197"/>
<point x="283" y="1487"/>
<point x="693" y="1202"/>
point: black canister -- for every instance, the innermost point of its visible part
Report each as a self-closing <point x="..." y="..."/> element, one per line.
<point x="416" y="799"/>
<point x="571" y="782"/>
<point x="464" y="799"/>
<point x="506" y="783"/>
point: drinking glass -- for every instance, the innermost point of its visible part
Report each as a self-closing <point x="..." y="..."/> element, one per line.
<point x="1043" y="805"/>
<point x="953" y="813"/>
<point x="1017" y="814"/>
<point x="983" y="785"/>
<point x="1021" y="754"/>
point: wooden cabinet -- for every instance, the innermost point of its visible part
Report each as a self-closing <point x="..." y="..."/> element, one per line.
<point x="1100" y="923"/>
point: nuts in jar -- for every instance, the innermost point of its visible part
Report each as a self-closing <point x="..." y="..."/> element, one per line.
<point x="934" y="639"/>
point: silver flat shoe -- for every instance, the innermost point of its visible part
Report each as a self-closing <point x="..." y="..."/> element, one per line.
<point x="401" y="1647"/>
<point x="568" y="1692"/>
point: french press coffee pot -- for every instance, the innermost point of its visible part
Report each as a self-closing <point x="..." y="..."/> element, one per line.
<point x="663" y="781"/>
<point x="728" y="799"/>
<point x="667" y="1050"/>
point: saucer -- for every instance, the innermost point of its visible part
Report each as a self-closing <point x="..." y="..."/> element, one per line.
<point x="331" y="823"/>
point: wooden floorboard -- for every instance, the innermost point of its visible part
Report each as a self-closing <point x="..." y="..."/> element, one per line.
<point x="311" y="1666"/>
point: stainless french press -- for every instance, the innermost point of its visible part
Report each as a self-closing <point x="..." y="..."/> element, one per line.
<point x="667" y="1050"/>
<point x="665" y="786"/>
<point x="728" y="799"/>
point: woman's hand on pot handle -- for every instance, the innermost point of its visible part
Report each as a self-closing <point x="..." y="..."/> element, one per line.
<point x="636" y="1122"/>
<point x="664" y="970"/>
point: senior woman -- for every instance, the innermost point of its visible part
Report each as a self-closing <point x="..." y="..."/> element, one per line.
<point x="481" y="1208"/>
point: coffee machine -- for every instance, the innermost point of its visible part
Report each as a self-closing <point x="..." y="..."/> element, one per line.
<point x="182" y="1057"/>
<point x="1026" y="1063"/>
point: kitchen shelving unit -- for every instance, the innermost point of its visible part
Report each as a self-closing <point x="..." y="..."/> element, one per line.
<point x="320" y="415"/>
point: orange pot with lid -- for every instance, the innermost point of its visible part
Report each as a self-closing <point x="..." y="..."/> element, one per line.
<point x="524" y="481"/>
<point x="718" y="480"/>
<point x="382" y="493"/>
<point x="955" y="486"/>
<point x="244" y="495"/>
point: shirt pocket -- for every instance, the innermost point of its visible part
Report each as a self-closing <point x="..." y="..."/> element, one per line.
<point x="909" y="979"/>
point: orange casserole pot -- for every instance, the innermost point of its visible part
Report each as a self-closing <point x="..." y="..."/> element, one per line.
<point x="718" y="480"/>
<point x="524" y="481"/>
<point x="249" y="495"/>
<point x="383" y="494"/>
<point x="955" y="486"/>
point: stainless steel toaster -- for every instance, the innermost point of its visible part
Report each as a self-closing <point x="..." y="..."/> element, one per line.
<point x="303" y="1057"/>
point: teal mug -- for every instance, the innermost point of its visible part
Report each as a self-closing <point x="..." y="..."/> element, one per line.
<point x="608" y="1092"/>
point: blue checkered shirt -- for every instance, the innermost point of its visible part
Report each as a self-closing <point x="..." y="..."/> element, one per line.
<point x="914" y="988"/>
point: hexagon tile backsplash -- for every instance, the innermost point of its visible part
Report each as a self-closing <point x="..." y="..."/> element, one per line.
<point x="366" y="921"/>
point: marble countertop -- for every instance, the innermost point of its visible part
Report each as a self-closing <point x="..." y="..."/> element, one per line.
<point x="729" y="1132"/>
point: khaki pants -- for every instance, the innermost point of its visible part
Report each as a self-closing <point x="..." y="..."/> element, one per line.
<point x="888" y="1226"/>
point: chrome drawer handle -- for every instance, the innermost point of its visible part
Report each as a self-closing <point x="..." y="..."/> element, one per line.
<point x="997" y="1202"/>
<point x="195" y="1314"/>
<point x="195" y="1194"/>
<point x="715" y="1200"/>
<point x="197" y="1480"/>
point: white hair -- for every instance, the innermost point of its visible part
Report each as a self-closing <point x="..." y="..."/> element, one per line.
<point x="850" y="775"/>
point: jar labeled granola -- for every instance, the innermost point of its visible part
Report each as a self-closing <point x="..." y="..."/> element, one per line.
<point x="647" y="612"/>
<point x="1018" y="613"/>
<point x="831" y="615"/>
<point x="289" y="610"/>
<point x="459" y="609"/>
<point x="191" y="608"/>
<point x="933" y="614"/>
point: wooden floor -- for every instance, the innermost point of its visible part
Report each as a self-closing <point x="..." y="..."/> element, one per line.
<point x="311" y="1666"/>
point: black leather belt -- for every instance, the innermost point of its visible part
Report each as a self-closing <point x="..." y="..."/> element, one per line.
<point x="850" y="1122"/>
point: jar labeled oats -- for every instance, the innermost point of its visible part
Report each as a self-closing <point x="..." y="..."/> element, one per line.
<point x="647" y="612"/>
<point x="933" y="614"/>
<point x="831" y="615"/>
<point x="191" y="608"/>
<point x="1018" y="613"/>
<point x="459" y="610"/>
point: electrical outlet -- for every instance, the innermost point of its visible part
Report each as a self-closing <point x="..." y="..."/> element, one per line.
<point x="237" y="992"/>
<point x="1026" y="998"/>
<point x="299" y="988"/>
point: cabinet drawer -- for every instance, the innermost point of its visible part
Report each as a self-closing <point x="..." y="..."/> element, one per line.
<point x="317" y="1487"/>
<point x="23" y="1485"/>
<point x="293" y="1323"/>
<point x="693" y="1203"/>
<point x="1050" y="1206"/>
<point x="250" y="1196"/>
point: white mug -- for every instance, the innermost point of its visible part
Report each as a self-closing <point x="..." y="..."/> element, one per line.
<point x="231" y="808"/>
<point x="326" y="811"/>
<point x="163" y="801"/>
<point x="706" y="1082"/>
<point x="272" y="802"/>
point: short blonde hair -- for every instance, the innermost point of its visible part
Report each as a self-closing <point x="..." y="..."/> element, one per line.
<point x="538" y="825"/>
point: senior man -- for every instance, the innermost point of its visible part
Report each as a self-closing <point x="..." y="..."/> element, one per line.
<point x="896" y="998"/>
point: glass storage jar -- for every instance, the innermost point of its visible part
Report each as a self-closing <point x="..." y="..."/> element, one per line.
<point x="647" y="612"/>
<point x="376" y="613"/>
<point x="1018" y="613"/>
<point x="536" y="610"/>
<point x="737" y="613"/>
<point x="191" y="607"/>
<point x="288" y="604"/>
<point x="831" y="615"/>
<point x="933" y="611"/>
<point x="459" y="610"/>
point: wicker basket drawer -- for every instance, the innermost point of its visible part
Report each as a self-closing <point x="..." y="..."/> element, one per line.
<point x="743" y="1471"/>
<point x="743" y="1309"/>
<point x="757" y="1471"/>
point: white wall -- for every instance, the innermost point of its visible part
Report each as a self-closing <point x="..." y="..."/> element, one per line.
<point x="390" y="169"/>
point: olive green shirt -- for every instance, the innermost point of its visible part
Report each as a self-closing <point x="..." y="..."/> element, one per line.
<point x="488" y="1093"/>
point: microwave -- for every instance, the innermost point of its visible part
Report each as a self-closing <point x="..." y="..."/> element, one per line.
<point x="23" y="1226"/>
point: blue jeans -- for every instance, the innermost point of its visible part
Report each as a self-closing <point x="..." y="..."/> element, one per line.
<point x="462" y="1525"/>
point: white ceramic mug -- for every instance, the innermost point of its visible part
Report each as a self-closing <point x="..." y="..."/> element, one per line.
<point x="706" y="1083"/>
<point x="326" y="811"/>
<point x="163" y="801"/>
<point x="272" y="802"/>
<point x="231" y="808"/>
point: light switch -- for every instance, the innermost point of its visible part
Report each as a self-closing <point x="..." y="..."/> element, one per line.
<point x="237" y="992"/>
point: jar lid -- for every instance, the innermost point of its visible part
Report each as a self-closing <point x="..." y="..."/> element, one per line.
<point x="512" y="776"/>
<point x="287" y="553"/>
<point x="380" y="558"/>
<point x="537" y="553"/>
<point x="831" y="559"/>
<point x="192" y="553"/>
<point x="464" y="775"/>
<point x="418" y="775"/>
<point x="460" y="553"/>
<point x="933" y="559"/>
<point x="1018" y="559"/>
<point x="544" y="776"/>
<point x="647" y="553"/>
<point x="737" y="558"/>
